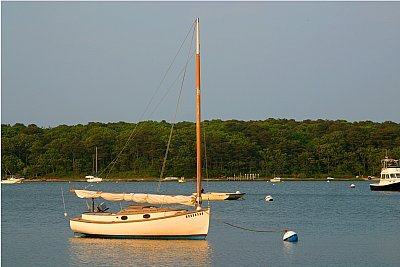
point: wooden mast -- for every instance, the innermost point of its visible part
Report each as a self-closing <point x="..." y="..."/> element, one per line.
<point x="198" y="117"/>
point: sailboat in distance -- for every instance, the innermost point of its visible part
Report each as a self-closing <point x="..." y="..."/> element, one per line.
<point x="94" y="178"/>
<point x="150" y="222"/>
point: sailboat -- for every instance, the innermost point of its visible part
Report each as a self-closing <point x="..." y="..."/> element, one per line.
<point x="95" y="178"/>
<point x="150" y="222"/>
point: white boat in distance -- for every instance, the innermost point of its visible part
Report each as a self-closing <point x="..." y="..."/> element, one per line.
<point x="217" y="196"/>
<point x="94" y="178"/>
<point x="171" y="179"/>
<point x="12" y="180"/>
<point x="390" y="176"/>
<point x="275" y="180"/>
<point x="149" y="222"/>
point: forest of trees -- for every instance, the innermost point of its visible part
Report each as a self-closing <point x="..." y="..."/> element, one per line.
<point x="287" y="148"/>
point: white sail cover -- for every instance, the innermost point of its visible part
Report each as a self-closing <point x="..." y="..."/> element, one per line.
<point x="139" y="198"/>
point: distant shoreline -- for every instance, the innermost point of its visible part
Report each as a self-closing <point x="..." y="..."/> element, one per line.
<point x="53" y="179"/>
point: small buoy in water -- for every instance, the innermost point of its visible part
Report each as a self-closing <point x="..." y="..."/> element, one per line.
<point x="352" y="185"/>
<point x="290" y="236"/>
<point x="269" y="198"/>
<point x="65" y="214"/>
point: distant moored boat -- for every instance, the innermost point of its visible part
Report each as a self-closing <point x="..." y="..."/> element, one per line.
<point x="12" y="180"/>
<point x="275" y="180"/>
<point x="94" y="178"/>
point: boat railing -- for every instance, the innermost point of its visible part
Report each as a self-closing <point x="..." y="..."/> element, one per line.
<point x="390" y="163"/>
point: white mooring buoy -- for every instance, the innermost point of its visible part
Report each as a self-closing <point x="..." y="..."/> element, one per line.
<point x="353" y="186"/>
<point x="290" y="236"/>
<point x="269" y="198"/>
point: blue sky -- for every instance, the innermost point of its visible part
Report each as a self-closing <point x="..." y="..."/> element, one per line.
<point x="77" y="62"/>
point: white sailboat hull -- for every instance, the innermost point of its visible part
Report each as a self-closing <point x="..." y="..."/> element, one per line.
<point x="93" y="179"/>
<point x="215" y="196"/>
<point x="12" y="181"/>
<point x="181" y="225"/>
<point x="275" y="180"/>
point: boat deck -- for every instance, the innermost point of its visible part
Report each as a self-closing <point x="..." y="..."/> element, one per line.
<point x="134" y="209"/>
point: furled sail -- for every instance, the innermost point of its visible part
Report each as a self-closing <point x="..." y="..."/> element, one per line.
<point x="139" y="198"/>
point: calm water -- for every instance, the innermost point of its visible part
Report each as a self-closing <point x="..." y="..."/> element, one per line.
<point x="337" y="226"/>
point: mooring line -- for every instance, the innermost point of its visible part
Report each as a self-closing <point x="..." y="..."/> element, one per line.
<point x="248" y="229"/>
<point x="65" y="209"/>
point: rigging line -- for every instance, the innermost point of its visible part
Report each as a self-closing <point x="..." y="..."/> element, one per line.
<point x="174" y="117"/>
<point x="139" y="126"/>
<point x="248" y="229"/>
<point x="167" y="71"/>
<point x="205" y="151"/>
<point x="112" y="164"/>
<point x="205" y="158"/>
<point x="131" y="136"/>
<point x="176" y="55"/>
<point x="169" y="88"/>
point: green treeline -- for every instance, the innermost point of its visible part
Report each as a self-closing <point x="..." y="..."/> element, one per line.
<point x="271" y="147"/>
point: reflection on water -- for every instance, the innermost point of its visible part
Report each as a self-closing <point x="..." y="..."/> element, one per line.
<point x="288" y="248"/>
<point x="136" y="252"/>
